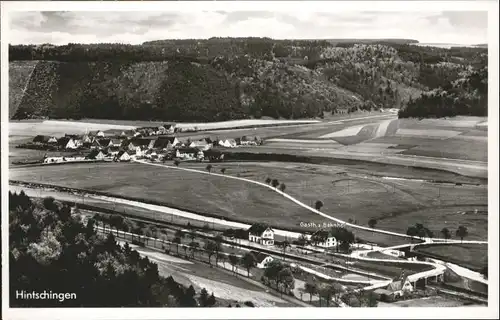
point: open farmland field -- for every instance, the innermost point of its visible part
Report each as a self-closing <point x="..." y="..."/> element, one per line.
<point x="58" y="128"/>
<point x="429" y="302"/>
<point x="455" y="139"/>
<point x="402" y="203"/>
<point x="472" y="256"/>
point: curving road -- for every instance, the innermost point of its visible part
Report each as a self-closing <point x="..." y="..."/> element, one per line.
<point x="298" y="202"/>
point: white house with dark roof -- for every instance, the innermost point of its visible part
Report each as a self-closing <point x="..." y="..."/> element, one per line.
<point x="66" y="143"/>
<point x="329" y="240"/>
<point x="261" y="259"/>
<point x="262" y="234"/>
<point x="96" y="155"/>
<point x="122" y="156"/>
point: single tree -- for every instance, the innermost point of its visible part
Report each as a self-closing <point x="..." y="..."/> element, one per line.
<point x="311" y="289"/>
<point x="177" y="241"/>
<point x="222" y="258"/>
<point x="223" y="170"/>
<point x="268" y="180"/>
<point x="248" y="261"/>
<point x="372" y="223"/>
<point x="233" y="260"/>
<point x="318" y="205"/>
<point x="285" y="244"/>
<point x="210" y="247"/>
<point x="203" y="299"/>
<point x="275" y="183"/>
<point x="462" y="232"/>
<point x="282" y="187"/>
<point x="193" y="245"/>
<point x="218" y="248"/>
<point x="412" y="232"/>
<point x="209" y="168"/>
<point x="176" y="163"/>
<point x="302" y="240"/>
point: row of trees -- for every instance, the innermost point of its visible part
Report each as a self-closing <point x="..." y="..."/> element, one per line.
<point x="212" y="248"/>
<point x="419" y="230"/>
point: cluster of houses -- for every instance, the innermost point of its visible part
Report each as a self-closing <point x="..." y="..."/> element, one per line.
<point x="154" y="143"/>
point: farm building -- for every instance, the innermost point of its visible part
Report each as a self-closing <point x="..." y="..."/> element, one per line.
<point x="163" y="143"/>
<point x="44" y="139"/>
<point x="96" y="155"/>
<point x="66" y="143"/>
<point x="262" y="234"/>
<point x="122" y="156"/>
<point x="261" y="259"/>
<point x="115" y="143"/>
<point x="213" y="155"/>
<point x="189" y="153"/>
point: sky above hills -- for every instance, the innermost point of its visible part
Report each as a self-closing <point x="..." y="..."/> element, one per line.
<point x="62" y="27"/>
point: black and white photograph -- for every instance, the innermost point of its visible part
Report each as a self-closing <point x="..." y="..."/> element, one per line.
<point x="272" y="156"/>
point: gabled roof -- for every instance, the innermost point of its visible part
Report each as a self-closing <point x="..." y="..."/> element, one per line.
<point x="121" y="153"/>
<point x="140" y="142"/>
<point x="63" y="141"/>
<point x="93" y="154"/>
<point x="259" y="256"/>
<point x="104" y="142"/>
<point x="188" y="150"/>
<point x="258" y="228"/>
<point x="163" y="142"/>
<point x="116" y="141"/>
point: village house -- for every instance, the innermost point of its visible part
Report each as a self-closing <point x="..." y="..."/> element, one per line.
<point x="330" y="241"/>
<point x="262" y="234"/>
<point x="66" y="143"/>
<point x="138" y="146"/>
<point x="88" y="139"/>
<point x="44" y="139"/>
<point x="228" y="143"/>
<point x="115" y="143"/>
<point x="111" y="151"/>
<point x="95" y="144"/>
<point x="189" y="154"/>
<point x="201" y="144"/>
<point x="261" y="259"/>
<point x="96" y="155"/>
<point x="395" y="289"/>
<point x="163" y="143"/>
<point x="122" y="156"/>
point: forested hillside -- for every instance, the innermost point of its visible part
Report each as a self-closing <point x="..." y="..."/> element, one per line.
<point x="225" y="78"/>
<point x="51" y="250"/>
